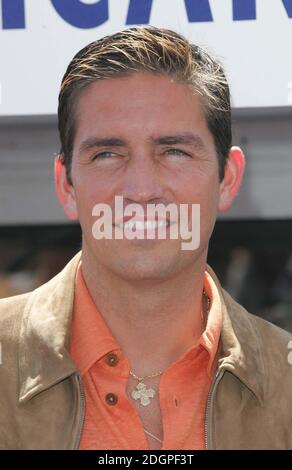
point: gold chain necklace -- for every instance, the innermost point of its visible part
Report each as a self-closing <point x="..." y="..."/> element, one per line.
<point x="141" y="391"/>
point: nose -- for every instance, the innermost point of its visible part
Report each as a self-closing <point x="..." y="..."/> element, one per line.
<point x="142" y="182"/>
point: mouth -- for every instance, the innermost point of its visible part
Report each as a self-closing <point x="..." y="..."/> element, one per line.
<point x="139" y="225"/>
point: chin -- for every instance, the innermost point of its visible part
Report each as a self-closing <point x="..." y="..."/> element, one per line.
<point x="147" y="268"/>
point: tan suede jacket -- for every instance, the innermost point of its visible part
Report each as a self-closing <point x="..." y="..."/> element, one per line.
<point x="42" y="403"/>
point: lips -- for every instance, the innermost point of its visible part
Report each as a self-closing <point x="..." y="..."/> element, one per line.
<point x="143" y="224"/>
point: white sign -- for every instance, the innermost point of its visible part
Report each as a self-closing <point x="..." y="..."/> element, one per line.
<point x="252" y="38"/>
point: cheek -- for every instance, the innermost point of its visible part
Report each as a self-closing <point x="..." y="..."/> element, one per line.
<point x="210" y="200"/>
<point x="86" y="199"/>
<point x="90" y="191"/>
<point x="204" y="191"/>
<point x="199" y="187"/>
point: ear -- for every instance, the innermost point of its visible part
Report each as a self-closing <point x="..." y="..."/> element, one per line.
<point x="65" y="190"/>
<point x="233" y="174"/>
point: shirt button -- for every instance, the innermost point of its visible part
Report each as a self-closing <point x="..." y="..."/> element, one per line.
<point x="111" y="399"/>
<point x="112" y="359"/>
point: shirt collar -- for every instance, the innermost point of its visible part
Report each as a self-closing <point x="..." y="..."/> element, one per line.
<point x="91" y="339"/>
<point x="210" y="337"/>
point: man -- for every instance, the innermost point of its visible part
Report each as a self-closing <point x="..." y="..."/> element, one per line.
<point x="135" y="345"/>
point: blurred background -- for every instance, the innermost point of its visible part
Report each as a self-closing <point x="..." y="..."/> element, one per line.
<point x="251" y="247"/>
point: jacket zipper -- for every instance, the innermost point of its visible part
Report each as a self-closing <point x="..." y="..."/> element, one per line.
<point x="218" y="377"/>
<point x="82" y="413"/>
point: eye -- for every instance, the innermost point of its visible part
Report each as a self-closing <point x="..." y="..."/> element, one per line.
<point x="103" y="155"/>
<point x="177" y="152"/>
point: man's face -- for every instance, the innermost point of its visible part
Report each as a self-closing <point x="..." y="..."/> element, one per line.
<point x="158" y="150"/>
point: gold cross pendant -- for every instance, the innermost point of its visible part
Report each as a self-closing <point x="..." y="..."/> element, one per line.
<point x="143" y="394"/>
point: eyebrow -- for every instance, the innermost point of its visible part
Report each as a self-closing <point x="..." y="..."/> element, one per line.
<point x="93" y="142"/>
<point x="186" y="138"/>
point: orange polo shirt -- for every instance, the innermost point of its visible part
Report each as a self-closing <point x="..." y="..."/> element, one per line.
<point x="111" y="422"/>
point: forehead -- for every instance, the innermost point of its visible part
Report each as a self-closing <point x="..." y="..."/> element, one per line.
<point x="139" y="103"/>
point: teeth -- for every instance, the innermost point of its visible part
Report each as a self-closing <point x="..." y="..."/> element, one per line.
<point x="147" y="225"/>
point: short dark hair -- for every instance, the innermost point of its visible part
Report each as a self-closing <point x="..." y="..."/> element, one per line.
<point x="155" y="50"/>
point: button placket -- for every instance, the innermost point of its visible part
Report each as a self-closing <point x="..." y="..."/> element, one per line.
<point x="111" y="360"/>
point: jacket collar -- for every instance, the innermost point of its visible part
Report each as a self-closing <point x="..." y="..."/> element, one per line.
<point x="44" y="358"/>
<point x="242" y="351"/>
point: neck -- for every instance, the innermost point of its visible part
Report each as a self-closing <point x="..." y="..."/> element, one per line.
<point x="154" y="321"/>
